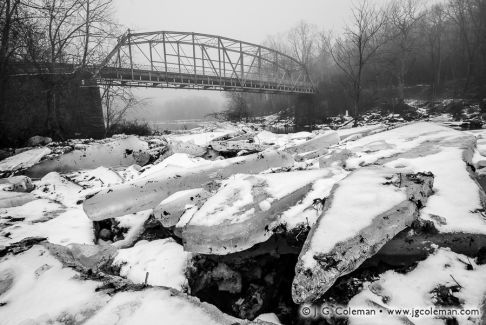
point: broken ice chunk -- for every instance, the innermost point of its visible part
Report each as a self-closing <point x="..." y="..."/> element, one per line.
<point x="58" y="188"/>
<point x="98" y="177"/>
<point x="170" y="210"/>
<point x="117" y="153"/>
<point x="16" y="184"/>
<point x="364" y="211"/>
<point x="23" y="160"/>
<point x="147" y="192"/>
<point x="238" y="216"/>
<point x="14" y="199"/>
<point x="319" y="142"/>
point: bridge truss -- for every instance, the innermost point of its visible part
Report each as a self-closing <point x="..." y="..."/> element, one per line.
<point x="200" y="61"/>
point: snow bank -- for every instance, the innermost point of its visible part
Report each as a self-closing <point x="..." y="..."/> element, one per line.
<point x="415" y="289"/>
<point x="164" y="260"/>
<point x="40" y="290"/>
<point x="158" y="306"/>
<point x="71" y="226"/>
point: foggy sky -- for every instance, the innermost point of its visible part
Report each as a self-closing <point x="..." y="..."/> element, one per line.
<point x="248" y="20"/>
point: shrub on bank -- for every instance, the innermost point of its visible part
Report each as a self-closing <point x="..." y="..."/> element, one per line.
<point x="129" y="127"/>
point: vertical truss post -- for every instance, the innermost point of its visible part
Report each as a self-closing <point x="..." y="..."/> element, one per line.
<point x="165" y="59"/>
<point x="224" y="56"/>
<point x="194" y="56"/>
<point x="260" y="65"/>
<point x="119" y="59"/>
<point x="219" y="62"/>
<point x="151" y="61"/>
<point x="276" y="67"/>
<point x="130" y="51"/>
<point x="242" y="66"/>
<point x="179" y="59"/>
<point x="202" y="58"/>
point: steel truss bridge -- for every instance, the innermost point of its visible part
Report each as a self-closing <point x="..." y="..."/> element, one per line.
<point x="168" y="59"/>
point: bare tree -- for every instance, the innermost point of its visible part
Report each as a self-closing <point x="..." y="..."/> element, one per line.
<point x="10" y="39"/>
<point x="302" y="41"/>
<point x="433" y="28"/>
<point x="463" y="13"/>
<point x="362" y="39"/>
<point x="405" y="16"/>
<point x="117" y="102"/>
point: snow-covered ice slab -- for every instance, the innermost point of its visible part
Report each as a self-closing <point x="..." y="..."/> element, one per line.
<point x="38" y="210"/>
<point x="23" y="160"/>
<point x="238" y="216"/>
<point x="164" y="260"/>
<point x="58" y="188"/>
<point x="236" y="146"/>
<point x="160" y="306"/>
<point x="204" y="138"/>
<point x="170" y="210"/>
<point x="97" y="177"/>
<point x="148" y="192"/>
<point x="13" y="199"/>
<point x="307" y="210"/>
<point x="58" y="226"/>
<point x="37" y="289"/>
<point x="177" y="160"/>
<point x="318" y="143"/>
<point x="415" y="140"/>
<point x="359" y="132"/>
<point x="364" y="211"/>
<point x="426" y="147"/>
<point x="116" y="153"/>
<point x="282" y="140"/>
<point x="417" y="289"/>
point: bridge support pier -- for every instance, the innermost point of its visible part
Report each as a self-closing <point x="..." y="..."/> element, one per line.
<point x="306" y="109"/>
<point x="58" y="106"/>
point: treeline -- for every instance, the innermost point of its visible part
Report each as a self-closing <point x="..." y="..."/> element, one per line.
<point x="403" y="49"/>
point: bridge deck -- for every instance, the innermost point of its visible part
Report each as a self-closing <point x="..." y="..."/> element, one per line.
<point x="163" y="79"/>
